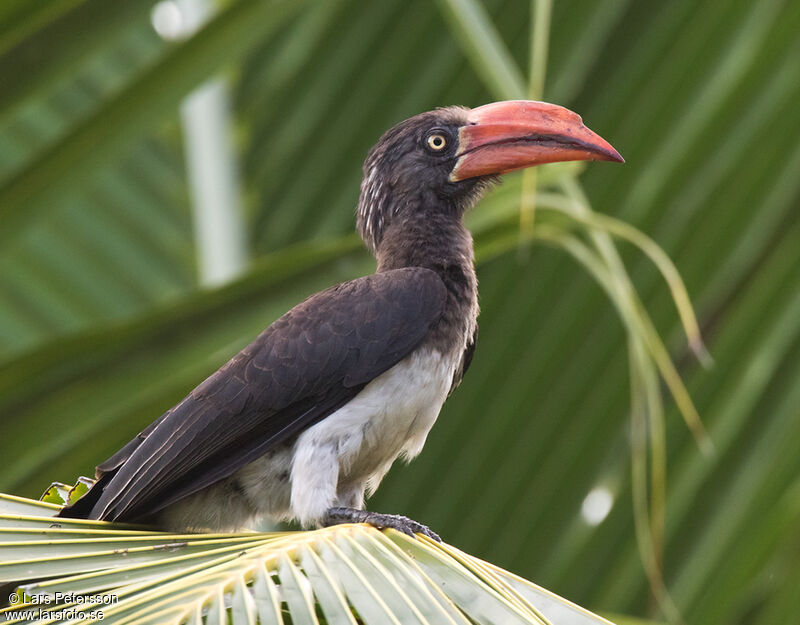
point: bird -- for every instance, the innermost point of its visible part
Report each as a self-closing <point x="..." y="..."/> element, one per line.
<point x="303" y="423"/>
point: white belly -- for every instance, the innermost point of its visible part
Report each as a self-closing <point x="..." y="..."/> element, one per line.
<point x="354" y="447"/>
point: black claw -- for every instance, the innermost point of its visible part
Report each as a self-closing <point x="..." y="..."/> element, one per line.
<point x="335" y="516"/>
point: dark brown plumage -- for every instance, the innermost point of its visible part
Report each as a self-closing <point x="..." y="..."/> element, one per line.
<point x="304" y="366"/>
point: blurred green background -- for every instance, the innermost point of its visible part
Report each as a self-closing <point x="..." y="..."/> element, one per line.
<point x="113" y="304"/>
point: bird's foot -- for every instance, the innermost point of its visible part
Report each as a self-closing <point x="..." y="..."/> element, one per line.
<point x="335" y="516"/>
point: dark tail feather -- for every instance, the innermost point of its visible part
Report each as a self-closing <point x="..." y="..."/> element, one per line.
<point x="82" y="509"/>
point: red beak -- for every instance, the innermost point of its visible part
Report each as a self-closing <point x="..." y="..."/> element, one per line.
<point x="505" y="136"/>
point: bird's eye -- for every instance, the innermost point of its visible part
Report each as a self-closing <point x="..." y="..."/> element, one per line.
<point x="437" y="142"/>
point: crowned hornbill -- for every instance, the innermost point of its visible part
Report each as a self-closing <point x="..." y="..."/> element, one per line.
<point x="311" y="415"/>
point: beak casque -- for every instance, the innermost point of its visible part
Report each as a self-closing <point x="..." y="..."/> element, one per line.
<point x="506" y="136"/>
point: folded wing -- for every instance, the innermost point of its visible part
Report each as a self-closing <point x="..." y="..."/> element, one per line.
<point x="303" y="367"/>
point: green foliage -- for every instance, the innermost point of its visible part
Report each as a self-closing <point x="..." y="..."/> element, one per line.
<point x="102" y="325"/>
<point x="343" y="574"/>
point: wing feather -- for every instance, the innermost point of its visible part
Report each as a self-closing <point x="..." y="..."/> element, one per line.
<point x="302" y="368"/>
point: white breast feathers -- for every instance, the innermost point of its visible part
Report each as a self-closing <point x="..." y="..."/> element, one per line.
<point x="350" y="451"/>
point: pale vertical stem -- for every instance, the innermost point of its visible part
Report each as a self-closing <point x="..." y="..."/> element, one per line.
<point x="540" y="43"/>
<point x="658" y="463"/>
<point x="647" y="406"/>
<point x="540" y="40"/>
<point x="643" y="524"/>
<point x="218" y="214"/>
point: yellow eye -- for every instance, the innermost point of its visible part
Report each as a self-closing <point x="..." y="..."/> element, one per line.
<point x="437" y="142"/>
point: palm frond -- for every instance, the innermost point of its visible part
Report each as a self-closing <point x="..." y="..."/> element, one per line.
<point x="341" y="574"/>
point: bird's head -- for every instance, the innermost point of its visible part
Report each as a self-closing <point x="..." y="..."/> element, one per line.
<point x="442" y="160"/>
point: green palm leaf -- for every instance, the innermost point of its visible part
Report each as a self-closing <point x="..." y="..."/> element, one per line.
<point x="342" y="574"/>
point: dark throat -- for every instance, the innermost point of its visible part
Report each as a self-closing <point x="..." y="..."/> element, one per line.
<point x="437" y="242"/>
<point x="441" y="243"/>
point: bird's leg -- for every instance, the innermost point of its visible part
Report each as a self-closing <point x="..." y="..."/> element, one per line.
<point x="335" y="516"/>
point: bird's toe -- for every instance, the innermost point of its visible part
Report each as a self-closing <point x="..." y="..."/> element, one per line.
<point x="397" y="522"/>
<point x="402" y="524"/>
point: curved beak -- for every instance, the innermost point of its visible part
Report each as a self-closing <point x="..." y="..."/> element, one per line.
<point x="506" y="136"/>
